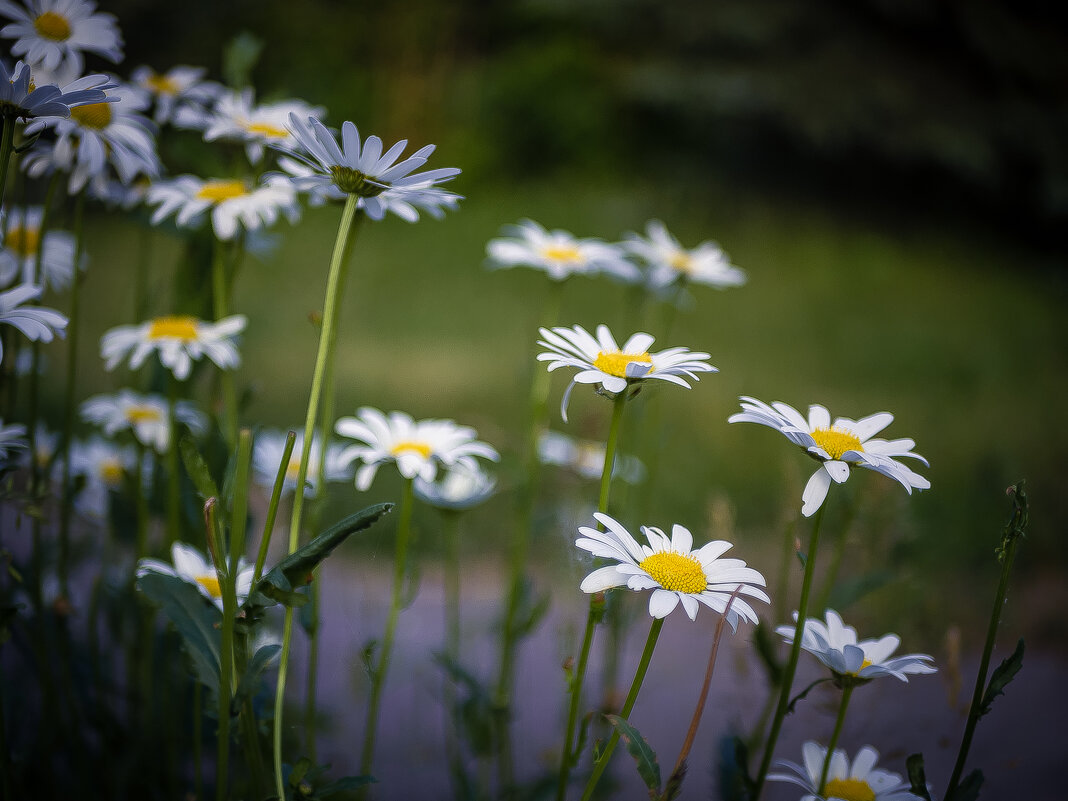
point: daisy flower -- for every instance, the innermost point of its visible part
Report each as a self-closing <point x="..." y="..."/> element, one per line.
<point x="236" y="117"/>
<point x="38" y="323"/>
<point x="19" y="100"/>
<point x="179" y="339"/>
<point x="12" y="438"/>
<point x="267" y="454"/>
<point x="54" y="33"/>
<point x="602" y="362"/>
<point x="178" y="87"/>
<point x="21" y="245"/>
<point x="835" y="645"/>
<point x="837" y="446"/>
<point x="669" y="262"/>
<point x="233" y="203"/>
<point x="672" y="570"/>
<point x="557" y="253"/>
<point x="147" y="416"/>
<point x="586" y="457"/>
<point x="382" y="184"/>
<point x="461" y="488"/>
<point x="104" y="465"/>
<point x="860" y="781"/>
<point x="190" y="566"/>
<point x="417" y="448"/>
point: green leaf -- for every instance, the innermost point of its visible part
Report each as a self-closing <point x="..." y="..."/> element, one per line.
<point x="246" y="686"/>
<point x="644" y="756"/>
<point x="476" y="713"/>
<point x="195" y="619"/>
<point x="917" y="776"/>
<point x="735" y="784"/>
<point x="239" y="58"/>
<point x="968" y="789"/>
<point x="344" y="784"/>
<point x="1002" y="675"/>
<point x="197" y="469"/>
<point x="674" y="783"/>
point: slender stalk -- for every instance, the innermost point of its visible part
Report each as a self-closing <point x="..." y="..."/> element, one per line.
<point x="628" y="705"/>
<point x="847" y="692"/>
<point x="174" y="476"/>
<point x="198" y="740"/>
<point x="7" y="144"/>
<point x="451" y="532"/>
<point x="226" y="656"/>
<point x="220" y="305"/>
<point x="404" y="525"/>
<point x="272" y="508"/>
<point x="795" y="652"/>
<point x="142" y="502"/>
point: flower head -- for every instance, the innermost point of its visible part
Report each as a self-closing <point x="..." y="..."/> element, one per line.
<point x="837" y="446"/>
<point x="104" y="465"/>
<point x="417" y="447"/>
<point x="860" y="781"/>
<point x="191" y="566"/>
<point x="613" y="368"/>
<point x="177" y="88"/>
<point x="12" y="438"/>
<point x="669" y="262"/>
<point x="38" y="323"/>
<point x="460" y="488"/>
<point x="179" y="339"/>
<point x="672" y="570"/>
<point x="835" y="645"/>
<point x="22" y="244"/>
<point x="55" y="33"/>
<point x="558" y="253"/>
<point x="22" y="97"/>
<point x="586" y="457"/>
<point x="267" y="456"/>
<point x="147" y="416"/>
<point x="233" y="203"/>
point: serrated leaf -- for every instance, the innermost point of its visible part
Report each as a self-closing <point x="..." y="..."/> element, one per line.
<point x="1002" y="675"/>
<point x="644" y="756"/>
<point x="195" y="619"/>
<point x="246" y="686"/>
<point x="197" y="469"/>
<point x="917" y="776"/>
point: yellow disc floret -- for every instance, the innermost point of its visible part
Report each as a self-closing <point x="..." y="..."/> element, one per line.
<point x="411" y="446"/>
<point x="51" y="25"/>
<point x="848" y="790"/>
<point x="161" y="84"/>
<point x="143" y="414"/>
<point x="211" y="584"/>
<point x="616" y="363"/>
<point x="93" y="115"/>
<point x="24" y="241"/>
<point x="836" y="441"/>
<point x="680" y="260"/>
<point x="111" y="471"/>
<point x="219" y="190"/>
<point x="563" y="253"/>
<point x="676" y="571"/>
<point x="266" y="130"/>
<point x="174" y="327"/>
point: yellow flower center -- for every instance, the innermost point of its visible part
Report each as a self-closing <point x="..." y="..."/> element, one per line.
<point x="175" y="327"/>
<point x="675" y="571"/>
<point x="564" y="253"/>
<point x="211" y="584"/>
<point x="161" y="84"/>
<point x="848" y="790"/>
<point x="51" y="25"/>
<point x="411" y="446"/>
<point x="93" y="115"/>
<point x="616" y="363"/>
<point x="24" y="241"/>
<point x="143" y="414"/>
<point x="110" y="471"/>
<point x="266" y="130"/>
<point x="680" y="260"/>
<point x="219" y="190"/>
<point x="836" y="441"/>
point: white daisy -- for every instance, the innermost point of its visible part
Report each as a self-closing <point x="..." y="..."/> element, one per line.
<point x="267" y="455"/>
<point x="38" y="323"/>
<point x="191" y="566"/>
<point x="236" y="117"/>
<point x="460" y="488"/>
<point x="45" y="444"/>
<point x="104" y="465"/>
<point x="835" y="645"/>
<point x="12" y="438"/>
<point x="55" y="33"/>
<point x="178" y="87"/>
<point x="21" y="245"/>
<point x="860" y="781"/>
<point x="179" y="339"/>
<point x="586" y="457"/>
<point x="838" y="446"/>
<point x="559" y="254"/>
<point x="113" y="192"/>
<point x="233" y="203"/>
<point x="147" y="416"/>
<point x="601" y="361"/>
<point x="672" y="570"/>
<point x="382" y="183"/>
<point x="19" y="100"/>
<point x="669" y="262"/>
<point x="416" y="447"/>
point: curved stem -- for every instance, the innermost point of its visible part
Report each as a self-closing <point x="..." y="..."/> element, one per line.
<point x="847" y="692"/>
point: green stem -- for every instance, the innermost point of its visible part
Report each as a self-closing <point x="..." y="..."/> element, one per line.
<point x="7" y="144"/>
<point x="220" y="303"/>
<point x="451" y="532"/>
<point x="198" y="738"/>
<point x="795" y="652"/>
<point x="628" y="705"/>
<point x="272" y="508"/>
<point x="174" y="476"/>
<point x="226" y="667"/>
<point x="847" y="692"/>
<point x="142" y="502"/>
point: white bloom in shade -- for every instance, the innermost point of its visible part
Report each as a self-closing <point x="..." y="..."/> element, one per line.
<point x="233" y="203"/>
<point x="835" y="645"/>
<point x="179" y="339"/>
<point x="38" y="323"/>
<point x="236" y="117"/>
<point x="176" y="88"/>
<point x="586" y="457"/>
<point x="417" y="447"/>
<point x="860" y="781"/>
<point x="838" y="446"/>
<point x="18" y="99"/>
<point x="55" y="33"/>
<point x="557" y="253"/>
<point x="12" y="438"/>
<point x="267" y="455"/>
<point x="104" y="466"/>
<point x="460" y="488"/>
<point x="669" y="262"/>
<point x="147" y="416"/>
<point x="381" y="182"/>
<point x="21" y="245"/>
<point x="191" y="566"/>
<point x="613" y="368"/>
<point x="672" y="570"/>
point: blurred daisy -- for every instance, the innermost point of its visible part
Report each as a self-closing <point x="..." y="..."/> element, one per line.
<point x="417" y="448"/>
<point x="860" y="781"/>
<point x="55" y="33"/>
<point x="191" y="566"/>
<point x="838" y="446"/>
<point x="232" y="202"/>
<point x="147" y="416"/>
<point x="601" y="361"/>
<point x="22" y="97"/>
<point x="45" y="445"/>
<point x="267" y="455"/>
<point x="236" y="117"/>
<point x="672" y="570"/>
<point x="669" y="262"/>
<point x="104" y="465"/>
<point x="38" y="323"/>
<point x="179" y="340"/>
<point x="835" y="645"/>
<point x="21" y="245"/>
<point x="559" y="254"/>
<point x="178" y="87"/>
<point x="586" y="457"/>
<point x="461" y="488"/>
<point x="382" y="184"/>
<point x="12" y="438"/>
<point x="113" y="192"/>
